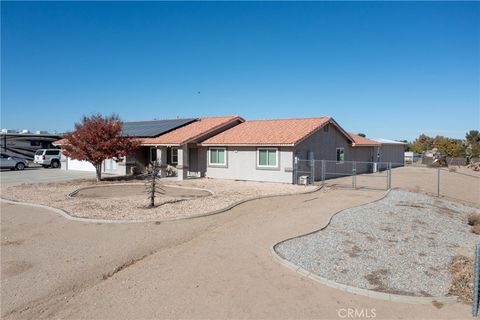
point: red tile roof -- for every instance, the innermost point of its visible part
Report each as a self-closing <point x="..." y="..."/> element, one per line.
<point x="359" y="141"/>
<point x="269" y="132"/>
<point x="193" y="131"/>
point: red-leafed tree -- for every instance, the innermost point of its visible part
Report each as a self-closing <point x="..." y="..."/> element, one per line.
<point x="97" y="138"/>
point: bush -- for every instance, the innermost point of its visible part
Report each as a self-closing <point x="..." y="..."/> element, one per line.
<point x="476" y="229"/>
<point x="474" y="219"/>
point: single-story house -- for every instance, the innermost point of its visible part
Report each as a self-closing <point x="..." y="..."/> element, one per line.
<point x="172" y="142"/>
<point x="391" y="151"/>
<point x="228" y="147"/>
<point x="271" y="150"/>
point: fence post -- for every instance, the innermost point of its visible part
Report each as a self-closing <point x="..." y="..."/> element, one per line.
<point x="313" y="171"/>
<point x="354" y="174"/>
<point x="323" y="173"/>
<point x="438" y="182"/>
<point x="295" y="170"/>
<point x="389" y="175"/>
<point x="476" y="279"/>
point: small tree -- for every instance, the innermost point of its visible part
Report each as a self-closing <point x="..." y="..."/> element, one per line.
<point x="152" y="186"/>
<point x="97" y="138"/>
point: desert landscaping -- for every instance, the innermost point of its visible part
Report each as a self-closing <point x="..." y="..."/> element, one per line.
<point x="110" y="200"/>
<point x="404" y="244"/>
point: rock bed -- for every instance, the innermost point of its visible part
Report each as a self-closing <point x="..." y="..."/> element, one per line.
<point x="128" y="206"/>
<point x="402" y="244"/>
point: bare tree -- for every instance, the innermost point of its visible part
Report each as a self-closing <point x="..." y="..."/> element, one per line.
<point x="152" y="185"/>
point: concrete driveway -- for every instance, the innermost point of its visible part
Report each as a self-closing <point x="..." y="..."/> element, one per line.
<point x="211" y="267"/>
<point x="39" y="174"/>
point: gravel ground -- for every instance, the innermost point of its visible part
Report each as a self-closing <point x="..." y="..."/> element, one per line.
<point x="129" y="206"/>
<point x="402" y="244"/>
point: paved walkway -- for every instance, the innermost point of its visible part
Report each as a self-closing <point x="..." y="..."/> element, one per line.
<point x="212" y="267"/>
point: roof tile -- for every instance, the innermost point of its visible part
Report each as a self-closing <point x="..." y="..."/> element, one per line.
<point x="269" y="132"/>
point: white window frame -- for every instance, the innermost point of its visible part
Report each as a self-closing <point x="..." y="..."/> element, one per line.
<point x="266" y="166"/>
<point x="172" y="149"/>
<point x="336" y="154"/>
<point x="224" y="158"/>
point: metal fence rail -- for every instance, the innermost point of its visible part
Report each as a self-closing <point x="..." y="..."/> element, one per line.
<point x="457" y="183"/>
<point x="354" y="174"/>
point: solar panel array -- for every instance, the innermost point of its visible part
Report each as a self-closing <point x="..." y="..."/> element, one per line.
<point x="153" y="128"/>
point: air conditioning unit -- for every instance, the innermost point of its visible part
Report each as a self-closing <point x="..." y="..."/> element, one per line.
<point x="304" y="180"/>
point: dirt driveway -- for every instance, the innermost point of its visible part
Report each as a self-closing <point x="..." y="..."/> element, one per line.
<point x="211" y="267"/>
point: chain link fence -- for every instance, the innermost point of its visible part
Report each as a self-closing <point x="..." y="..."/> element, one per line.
<point x="353" y="174"/>
<point x="458" y="183"/>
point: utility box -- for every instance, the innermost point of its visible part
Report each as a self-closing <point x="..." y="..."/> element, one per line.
<point x="304" y="180"/>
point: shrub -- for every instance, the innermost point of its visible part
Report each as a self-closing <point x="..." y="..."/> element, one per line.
<point x="474" y="219"/>
<point x="476" y="229"/>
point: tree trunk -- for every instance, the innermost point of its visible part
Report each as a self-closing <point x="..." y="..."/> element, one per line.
<point x="98" y="169"/>
<point x="152" y="192"/>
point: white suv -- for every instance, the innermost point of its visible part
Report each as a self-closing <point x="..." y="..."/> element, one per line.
<point x="48" y="157"/>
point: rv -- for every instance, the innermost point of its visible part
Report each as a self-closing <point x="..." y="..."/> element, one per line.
<point x="24" y="143"/>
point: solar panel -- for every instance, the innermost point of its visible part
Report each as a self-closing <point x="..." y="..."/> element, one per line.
<point x="152" y="128"/>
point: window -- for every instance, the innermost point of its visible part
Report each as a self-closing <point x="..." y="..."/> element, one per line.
<point x="267" y="158"/>
<point x="35" y="143"/>
<point x="325" y="128"/>
<point x="39" y="152"/>
<point x="52" y="152"/>
<point x="340" y="155"/>
<point x="153" y="154"/>
<point x="217" y="156"/>
<point x="174" y="156"/>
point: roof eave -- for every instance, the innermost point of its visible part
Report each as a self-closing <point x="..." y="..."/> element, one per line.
<point x="247" y="144"/>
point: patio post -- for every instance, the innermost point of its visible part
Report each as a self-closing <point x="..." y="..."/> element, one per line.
<point x="182" y="167"/>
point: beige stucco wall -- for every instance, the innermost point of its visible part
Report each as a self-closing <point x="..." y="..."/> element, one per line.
<point x="242" y="165"/>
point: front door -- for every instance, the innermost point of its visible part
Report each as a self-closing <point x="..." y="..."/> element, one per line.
<point x="193" y="162"/>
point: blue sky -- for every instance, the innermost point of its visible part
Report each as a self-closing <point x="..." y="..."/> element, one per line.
<point x="391" y="70"/>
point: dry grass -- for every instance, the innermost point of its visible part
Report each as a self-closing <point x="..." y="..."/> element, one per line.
<point x="461" y="268"/>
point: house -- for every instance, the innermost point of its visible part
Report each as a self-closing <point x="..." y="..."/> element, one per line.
<point x="266" y="150"/>
<point x="391" y="151"/>
<point x="228" y="147"/>
<point x="172" y="142"/>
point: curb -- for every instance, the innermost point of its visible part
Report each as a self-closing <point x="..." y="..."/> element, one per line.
<point x="355" y="290"/>
<point x="74" y="193"/>
<point x="68" y="216"/>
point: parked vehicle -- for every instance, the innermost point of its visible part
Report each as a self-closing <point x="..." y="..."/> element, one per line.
<point x="12" y="162"/>
<point x="48" y="158"/>
<point x="24" y="144"/>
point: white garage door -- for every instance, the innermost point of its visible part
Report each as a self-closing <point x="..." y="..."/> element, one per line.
<point x="80" y="165"/>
